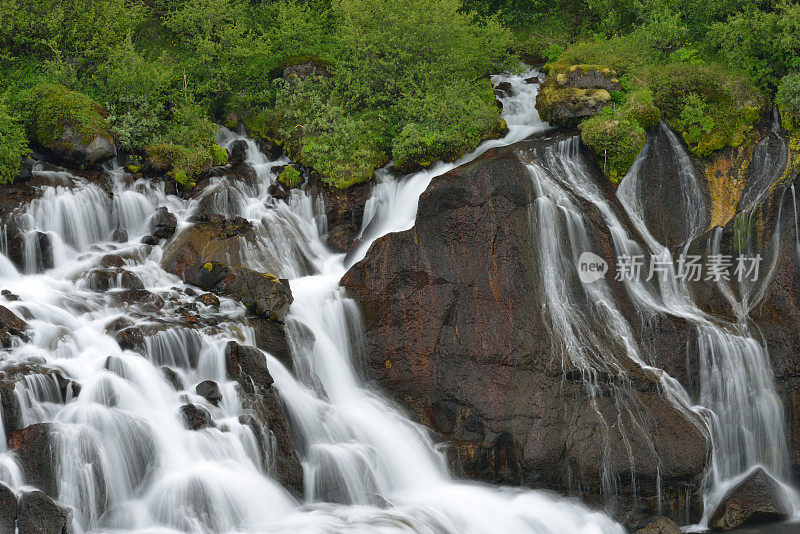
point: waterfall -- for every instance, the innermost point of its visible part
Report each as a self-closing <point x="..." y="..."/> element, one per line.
<point x="123" y="458"/>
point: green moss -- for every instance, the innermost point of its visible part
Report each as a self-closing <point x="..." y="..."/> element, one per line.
<point x="289" y="177"/>
<point x="186" y="163"/>
<point x="219" y="155"/>
<point x="49" y="109"/>
<point x="616" y="143"/>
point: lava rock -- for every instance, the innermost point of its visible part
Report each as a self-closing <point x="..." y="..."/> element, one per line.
<point x="172" y="377"/>
<point x="264" y="412"/>
<point x="208" y="299"/>
<point x="39" y="514"/>
<point x="263" y="294"/>
<point x="196" y="417"/>
<point x="238" y="150"/>
<point x="658" y="525"/>
<point x="120" y="235"/>
<point x="8" y="509"/>
<point x="210" y="391"/>
<point x="163" y="224"/>
<point x="759" y="498"/>
<point x="10" y="326"/>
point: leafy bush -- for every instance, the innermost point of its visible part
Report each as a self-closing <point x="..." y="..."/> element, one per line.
<point x="13" y="146"/>
<point x="788" y="100"/>
<point x="616" y="142"/>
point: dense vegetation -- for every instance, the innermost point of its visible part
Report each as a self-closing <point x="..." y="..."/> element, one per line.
<point x="347" y="85"/>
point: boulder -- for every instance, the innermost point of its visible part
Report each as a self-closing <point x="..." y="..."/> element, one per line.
<point x="120" y="235"/>
<point x="209" y="390"/>
<point x="758" y="498"/>
<point x="196" y="417"/>
<point x="72" y="147"/>
<point x="264" y="412"/>
<point x="8" y="509"/>
<point x="455" y="333"/>
<point x="163" y="223"/>
<point x="150" y="240"/>
<point x="264" y="294"/>
<point x="39" y="514"/>
<point x="238" y="151"/>
<point x="105" y="279"/>
<point x="208" y="299"/>
<point x="172" y="377"/>
<point x="216" y="204"/>
<point x="141" y="297"/>
<point x="576" y="92"/>
<point x="10" y="326"/>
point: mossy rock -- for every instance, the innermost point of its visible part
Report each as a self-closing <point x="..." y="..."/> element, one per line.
<point x="567" y="105"/>
<point x="289" y="177"/>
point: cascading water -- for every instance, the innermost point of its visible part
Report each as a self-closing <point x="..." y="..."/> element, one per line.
<point x="123" y="459"/>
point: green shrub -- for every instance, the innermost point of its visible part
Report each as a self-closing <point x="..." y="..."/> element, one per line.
<point x="219" y="156"/>
<point x="48" y="109"/>
<point x="289" y="177"/>
<point x="13" y="146"/>
<point x="788" y="100"/>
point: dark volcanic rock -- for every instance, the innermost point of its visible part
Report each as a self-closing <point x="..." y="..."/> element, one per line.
<point x="264" y="412"/>
<point x="455" y="332"/>
<point x="10" y="326"/>
<point x="210" y="391"/>
<point x="8" y="509"/>
<point x="757" y="499"/>
<point x="163" y="223"/>
<point x="39" y="514"/>
<point x="196" y="417"/>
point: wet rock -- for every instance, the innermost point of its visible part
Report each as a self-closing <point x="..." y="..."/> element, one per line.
<point x="208" y="299"/>
<point x="209" y="390"/>
<point x="341" y="238"/>
<point x="112" y="261"/>
<point x="120" y="235"/>
<point x="196" y="417"/>
<point x="8" y="510"/>
<point x="264" y="294"/>
<point x="264" y="412"/>
<point x="11" y="326"/>
<point x="18" y="251"/>
<point x="216" y="203"/>
<point x="163" y="224"/>
<point x="532" y="80"/>
<point x="658" y="525"/>
<point x="34" y="447"/>
<point x="142" y="298"/>
<point x="39" y="514"/>
<point x="454" y="331"/>
<point x="506" y="88"/>
<point x="150" y="240"/>
<point x="238" y="150"/>
<point x="759" y="498"/>
<point x="271" y="148"/>
<point x="271" y="337"/>
<point x="172" y="377"/>
<point x="277" y="191"/>
<point x="131" y="338"/>
<point x="9" y="296"/>
<point x="105" y="279"/>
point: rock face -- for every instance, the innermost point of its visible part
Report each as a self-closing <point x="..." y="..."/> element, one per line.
<point x="757" y="499"/>
<point x="72" y="147"/>
<point x="38" y="514"/>
<point x="576" y="92"/>
<point x="455" y="333"/>
<point x="264" y="413"/>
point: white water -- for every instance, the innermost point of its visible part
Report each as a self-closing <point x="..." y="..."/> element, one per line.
<point x="366" y="467"/>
